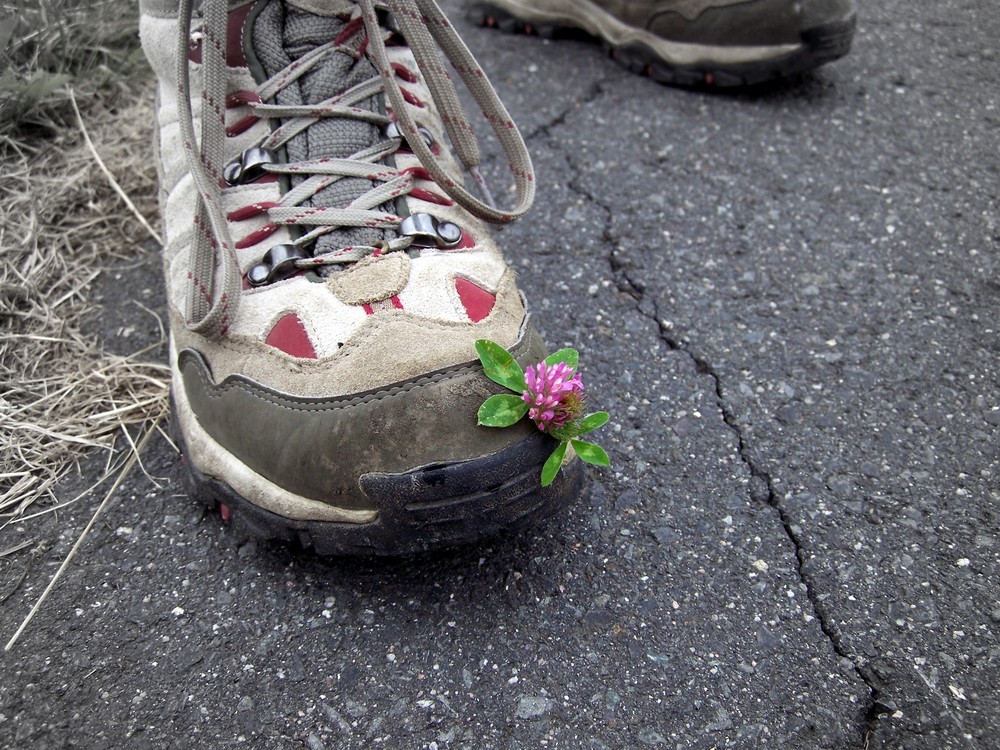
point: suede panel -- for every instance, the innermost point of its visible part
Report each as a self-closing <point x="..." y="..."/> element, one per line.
<point x="319" y="448"/>
<point x="372" y="279"/>
<point x="729" y="23"/>
<point x="733" y="24"/>
<point x="388" y="347"/>
<point x="638" y="12"/>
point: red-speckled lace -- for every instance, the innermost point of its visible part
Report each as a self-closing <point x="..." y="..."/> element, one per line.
<point x="215" y="279"/>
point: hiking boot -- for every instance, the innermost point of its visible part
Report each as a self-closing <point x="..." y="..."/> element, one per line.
<point x="693" y="42"/>
<point x="328" y="275"/>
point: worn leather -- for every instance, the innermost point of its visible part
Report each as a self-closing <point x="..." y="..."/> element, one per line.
<point x="727" y="22"/>
<point x="388" y="347"/>
<point x="320" y="447"/>
<point x="755" y="23"/>
<point x="371" y="280"/>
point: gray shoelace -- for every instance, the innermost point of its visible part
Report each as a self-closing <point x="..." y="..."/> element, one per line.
<point x="215" y="281"/>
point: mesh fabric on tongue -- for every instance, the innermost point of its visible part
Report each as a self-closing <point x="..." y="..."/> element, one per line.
<point x="283" y="33"/>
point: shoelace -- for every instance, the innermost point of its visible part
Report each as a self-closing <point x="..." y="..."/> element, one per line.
<point x="215" y="280"/>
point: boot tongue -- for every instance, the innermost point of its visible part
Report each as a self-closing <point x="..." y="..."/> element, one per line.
<point x="283" y="33"/>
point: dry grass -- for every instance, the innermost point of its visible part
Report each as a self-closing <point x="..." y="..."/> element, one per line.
<point x="77" y="195"/>
<point x="61" y="224"/>
<point x="47" y="44"/>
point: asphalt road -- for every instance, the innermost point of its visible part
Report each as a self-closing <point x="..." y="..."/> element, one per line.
<point x="788" y="299"/>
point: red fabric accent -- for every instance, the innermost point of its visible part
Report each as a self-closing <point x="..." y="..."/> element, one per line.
<point x="419" y="173"/>
<point x="383" y="305"/>
<point x="238" y="98"/>
<point x="403" y="72"/>
<point x="352" y="28"/>
<point x="234" y="39"/>
<point x="258" y="235"/>
<point x="477" y="301"/>
<point x="411" y="98"/>
<point x="289" y="335"/>
<point x="234" y="36"/>
<point x="248" y="212"/>
<point x="430" y="197"/>
<point x="241" y="126"/>
<point x="466" y="243"/>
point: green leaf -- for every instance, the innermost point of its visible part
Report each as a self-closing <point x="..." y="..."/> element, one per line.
<point x="592" y="454"/>
<point x="570" y="356"/>
<point x="553" y="464"/>
<point x="502" y="410"/>
<point x="592" y="422"/>
<point x="581" y="426"/>
<point x="500" y="366"/>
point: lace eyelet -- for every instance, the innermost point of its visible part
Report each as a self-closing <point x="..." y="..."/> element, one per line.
<point x="392" y="131"/>
<point x="427" y="231"/>
<point x="278" y="262"/>
<point x="249" y="166"/>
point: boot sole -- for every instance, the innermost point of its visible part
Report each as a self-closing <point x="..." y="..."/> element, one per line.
<point x="667" y="62"/>
<point x="429" y="507"/>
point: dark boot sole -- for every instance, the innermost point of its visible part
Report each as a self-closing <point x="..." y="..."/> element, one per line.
<point x="819" y="46"/>
<point x="427" y="508"/>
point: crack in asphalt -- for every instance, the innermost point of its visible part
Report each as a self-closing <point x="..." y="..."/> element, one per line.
<point x="595" y="90"/>
<point x="762" y="486"/>
<point x="762" y="489"/>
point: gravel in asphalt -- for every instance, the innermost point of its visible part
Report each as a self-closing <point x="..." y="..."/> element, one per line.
<point x="788" y="300"/>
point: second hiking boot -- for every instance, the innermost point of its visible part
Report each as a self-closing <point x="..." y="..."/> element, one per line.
<point x="694" y="42"/>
